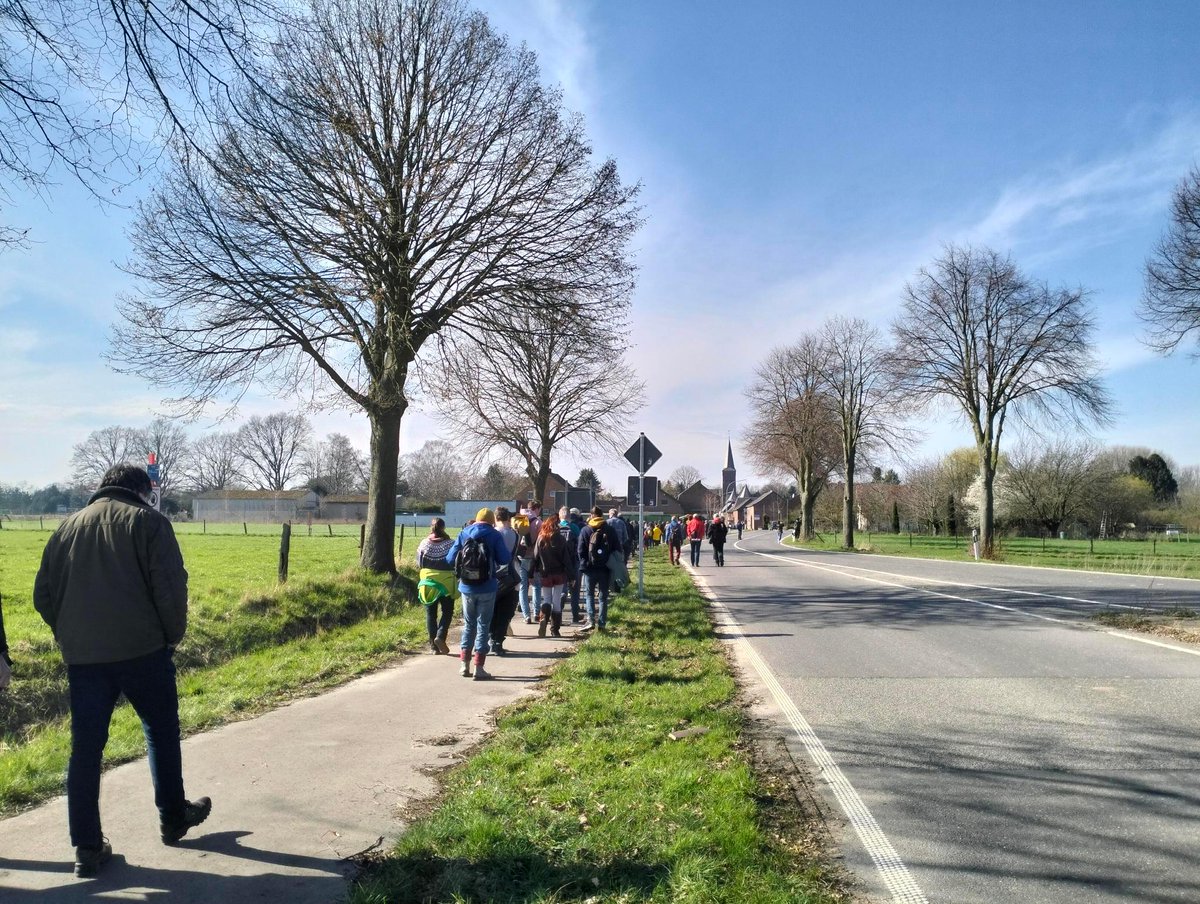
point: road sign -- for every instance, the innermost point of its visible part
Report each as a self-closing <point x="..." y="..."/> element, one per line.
<point x="152" y="470"/>
<point x="650" y="499"/>
<point x="642" y="454"/>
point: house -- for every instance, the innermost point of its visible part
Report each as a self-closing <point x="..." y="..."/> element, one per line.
<point x="276" y="505"/>
<point x="254" y="505"/>
<point x="763" y="509"/>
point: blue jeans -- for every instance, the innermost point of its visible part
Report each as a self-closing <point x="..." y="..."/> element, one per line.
<point x="148" y="683"/>
<point x="593" y="581"/>
<point x="523" y="569"/>
<point x="477" y="621"/>
<point x="695" y="552"/>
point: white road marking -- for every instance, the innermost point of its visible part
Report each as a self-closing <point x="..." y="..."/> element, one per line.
<point x="895" y="875"/>
<point x="848" y="571"/>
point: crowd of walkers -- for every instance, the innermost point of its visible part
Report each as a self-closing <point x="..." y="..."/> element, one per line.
<point x="503" y="562"/>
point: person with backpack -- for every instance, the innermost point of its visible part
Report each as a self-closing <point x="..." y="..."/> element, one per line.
<point x="569" y="525"/>
<point x="673" y="536"/>
<point x="598" y="543"/>
<point x="554" y="563"/>
<point x="718" y="532"/>
<point x="695" y="535"/>
<point x="507" y="583"/>
<point x="436" y="585"/>
<point x="526" y="523"/>
<point x="476" y="554"/>
<point x="617" y="564"/>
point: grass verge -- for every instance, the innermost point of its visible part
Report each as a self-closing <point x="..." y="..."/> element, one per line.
<point x="1178" y="624"/>
<point x="1141" y="557"/>
<point x="304" y="637"/>
<point x="581" y="795"/>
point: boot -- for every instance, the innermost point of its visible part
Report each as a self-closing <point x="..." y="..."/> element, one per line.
<point x="480" y="674"/>
<point x="543" y="619"/>
<point x="556" y="624"/>
<point x="440" y="643"/>
<point x="464" y="667"/>
<point x="433" y="646"/>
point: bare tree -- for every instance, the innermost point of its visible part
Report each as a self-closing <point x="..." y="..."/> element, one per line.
<point x="499" y="482"/>
<point x="215" y="463"/>
<point x="105" y="448"/>
<point x="88" y="85"/>
<point x="336" y="465"/>
<point x="1055" y="483"/>
<point x="414" y="177"/>
<point x="273" y="447"/>
<point x="1170" y="303"/>
<point x="172" y="448"/>
<point x="555" y="382"/>
<point x="434" y="472"/>
<point x="866" y="400"/>
<point x="681" y="478"/>
<point x="794" y="431"/>
<point x="978" y="333"/>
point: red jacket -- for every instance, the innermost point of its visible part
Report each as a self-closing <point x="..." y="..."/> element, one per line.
<point x="695" y="529"/>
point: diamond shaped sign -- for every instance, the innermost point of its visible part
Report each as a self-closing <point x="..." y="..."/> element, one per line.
<point x="642" y="454"/>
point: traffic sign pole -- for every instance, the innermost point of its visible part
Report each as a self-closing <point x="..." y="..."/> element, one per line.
<point x="642" y="455"/>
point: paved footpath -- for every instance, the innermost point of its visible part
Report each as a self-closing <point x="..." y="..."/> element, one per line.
<point x="295" y="792"/>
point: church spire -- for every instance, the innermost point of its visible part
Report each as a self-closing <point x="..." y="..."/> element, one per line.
<point x="729" y="456"/>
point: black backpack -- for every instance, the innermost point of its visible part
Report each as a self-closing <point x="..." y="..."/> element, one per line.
<point x="600" y="546"/>
<point x="473" y="564"/>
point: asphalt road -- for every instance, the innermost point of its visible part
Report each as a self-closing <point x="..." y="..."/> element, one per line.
<point x="990" y="743"/>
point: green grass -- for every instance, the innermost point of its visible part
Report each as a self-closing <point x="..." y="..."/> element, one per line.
<point x="251" y="643"/>
<point x="1163" y="558"/>
<point x="581" y="795"/>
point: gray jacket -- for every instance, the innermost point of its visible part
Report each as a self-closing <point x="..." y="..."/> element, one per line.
<point x="112" y="585"/>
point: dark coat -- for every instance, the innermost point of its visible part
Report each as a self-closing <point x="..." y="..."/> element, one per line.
<point x="112" y="585"/>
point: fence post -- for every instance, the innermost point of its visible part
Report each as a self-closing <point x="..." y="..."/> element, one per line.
<point x="204" y="526"/>
<point x="1154" y="546"/>
<point x="910" y="539"/>
<point x="40" y="525"/>
<point x="330" y="526"/>
<point x="1091" y="546"/>
<point x="245" y="530"/>
<point x="1043" y="543"/>
<point x="362" y="536"/>
<point x="400" y="544"/>
<point x="285" y="547"/>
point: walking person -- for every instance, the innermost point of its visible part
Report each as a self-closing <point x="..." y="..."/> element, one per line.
<point x="436" y="586"/>
<point x="113" y="588"/>
<point x="507" y="584"/>
<point x="718" y="532"/>
<point x="476" y="554"/>
<point x="740" y="527"/>
<point x="695" y="535"/>
<point x="554" y="562"/>
<point x="526" y="523"/>
<point x="618" y="564"/>
<point x="569" y="525"/>
<point x="5" y="660"/>
<point x="674" y="539"/>
<point x="598" y="542"/>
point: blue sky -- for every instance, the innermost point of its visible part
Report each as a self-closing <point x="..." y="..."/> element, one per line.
<point x="797" y="159"/>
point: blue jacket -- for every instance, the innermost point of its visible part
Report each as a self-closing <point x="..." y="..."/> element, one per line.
<point x="494" y="541"/>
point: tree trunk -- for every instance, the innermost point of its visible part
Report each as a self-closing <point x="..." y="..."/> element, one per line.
<point x="848" y="510"/>
<point x="378" y="549"/>
<point x="808" y="501"/>
<point x="987" y="518"/>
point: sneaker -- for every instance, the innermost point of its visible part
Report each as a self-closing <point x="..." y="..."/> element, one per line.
<point x="443" y="647"/>
<point x="90" y="858"/>
<point x="528" y="620"/>
<point x="193" y="814"/>
<point x="586" y="626"/>
<point x="498" y="648"/>
<point x="434" y="648"/>
<point x="481" y="675"/>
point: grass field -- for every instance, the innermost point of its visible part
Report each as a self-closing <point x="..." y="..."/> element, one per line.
<point x="1173" y="558"/>
<point x="251" y="643"/>
<point x="581" y="795"/>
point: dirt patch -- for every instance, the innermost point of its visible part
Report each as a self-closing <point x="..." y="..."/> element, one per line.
<point x="1182" y="626"/>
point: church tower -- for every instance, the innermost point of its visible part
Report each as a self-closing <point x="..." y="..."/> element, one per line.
<point x="728" y="477"/>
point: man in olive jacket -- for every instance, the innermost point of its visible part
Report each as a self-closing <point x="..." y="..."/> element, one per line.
<point x="113" y="589"/>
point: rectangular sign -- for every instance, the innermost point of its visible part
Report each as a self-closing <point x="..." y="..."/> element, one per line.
<point x="651" y="485"/>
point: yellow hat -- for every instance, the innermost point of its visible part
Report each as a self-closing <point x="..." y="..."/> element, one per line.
<point x="485" y="514"/>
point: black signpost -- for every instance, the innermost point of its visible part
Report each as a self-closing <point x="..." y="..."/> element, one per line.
<point x="642" y="455"/>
